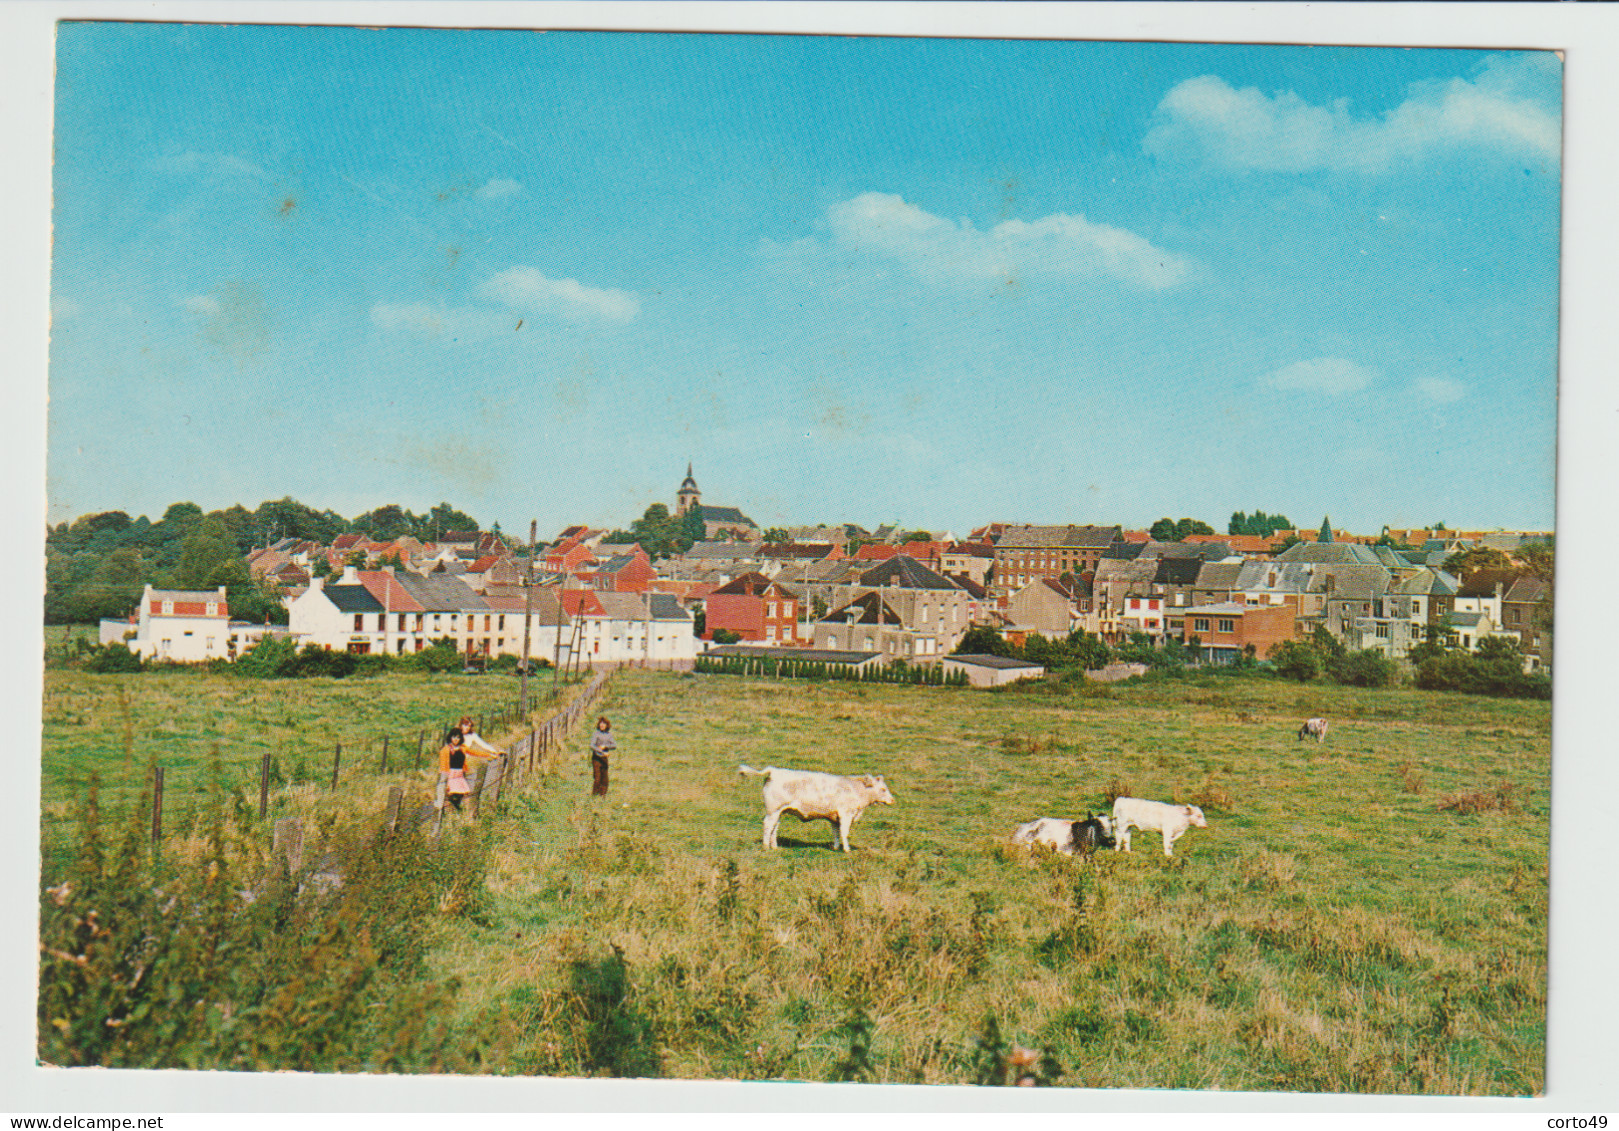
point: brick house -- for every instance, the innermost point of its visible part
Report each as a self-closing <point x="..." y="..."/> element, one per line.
<point x="1024" y="553"/>
<point x="1225" y="630"/>
<point x="754" y="607"/>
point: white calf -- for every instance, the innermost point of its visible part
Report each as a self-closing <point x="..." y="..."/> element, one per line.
<point x="1153" y="816"/>
<point x="810" y="796"/>
<point x="1065" y="836"/>
<point x="1314" y="728"/>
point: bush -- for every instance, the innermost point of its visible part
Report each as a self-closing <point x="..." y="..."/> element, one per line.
<point x="1366" y="668"/>
<point x="1499" y="673"/>
<point x="114" y="657"/>
<point x="1296" y="659"/>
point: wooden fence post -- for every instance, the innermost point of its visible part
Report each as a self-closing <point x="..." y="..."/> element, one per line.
<point x="396" y="797"/>
<point x="264" y="785"/>
<point x="477" y="791"/>
<point x="157" y="804"/>
<point x="496" y="775"/>
<point x="384" y="753"/>
<point x="337" y="760"/>
<point x="289" y="842"/>
<point x="421" y="736"/>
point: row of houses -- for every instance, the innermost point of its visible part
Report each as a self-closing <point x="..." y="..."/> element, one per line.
<point x="584" y="599"/>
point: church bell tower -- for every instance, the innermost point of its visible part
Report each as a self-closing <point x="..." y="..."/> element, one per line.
<point x="688" y="496"/>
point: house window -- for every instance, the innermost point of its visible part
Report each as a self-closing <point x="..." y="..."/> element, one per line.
<point x="168" y="608"/>
<point x="213" y="609"/>
<point x="1227" y="624"/>
<point x="1382" y="632"/>
<point x="359" y="621"/>
<point x="401" y="622"/>
<point x="1200" y="624"/>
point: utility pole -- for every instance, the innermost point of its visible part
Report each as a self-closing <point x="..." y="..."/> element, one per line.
<point x="528" y="613"/>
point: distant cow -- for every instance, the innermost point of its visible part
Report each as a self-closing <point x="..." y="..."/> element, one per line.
<point x="1153" y="816"/>
<point x="810" y="796"/>
<point x="1316" y="728"/>
<point x="1069" y="837"/>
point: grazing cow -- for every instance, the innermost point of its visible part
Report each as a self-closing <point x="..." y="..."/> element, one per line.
<point x="1153" y="816"/>
<point x="811" y="796"/>
<point x="1314" y="727"/>
<point x="1065" y="836"/>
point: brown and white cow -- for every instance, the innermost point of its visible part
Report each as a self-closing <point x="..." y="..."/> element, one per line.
<point x="1068" y="837"/>
<point x="1153" y="816"/>
<point x="810" y="796"/>
<point x="1314" y="728"/>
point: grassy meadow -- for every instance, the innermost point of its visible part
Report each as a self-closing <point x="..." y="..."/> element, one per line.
<point x="1366" y="915"/>
<point x="114" y="725"/>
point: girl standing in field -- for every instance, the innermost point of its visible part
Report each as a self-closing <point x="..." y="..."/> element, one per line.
<point x="470" y="738"/>
<point x="600" y="743"/>
<point x="452" y="776"/>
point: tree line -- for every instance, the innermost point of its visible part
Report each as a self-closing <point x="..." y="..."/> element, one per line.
<point x="97" y="565"/>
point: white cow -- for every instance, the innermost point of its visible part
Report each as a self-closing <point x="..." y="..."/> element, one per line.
<point x="810" y="796"/>
<point x="1314" y="728"/>
<point x="1065" y="836"/>
<point x="1153" y="816"/>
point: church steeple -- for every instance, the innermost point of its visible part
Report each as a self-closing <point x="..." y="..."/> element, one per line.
<point x="688" y="496"/>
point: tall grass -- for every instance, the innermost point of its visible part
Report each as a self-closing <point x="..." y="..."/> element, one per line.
<point x="1332" y="930"/>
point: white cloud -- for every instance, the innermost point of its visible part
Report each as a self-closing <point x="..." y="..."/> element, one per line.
<point x="428" y="321"/>
<point x="192" y="162"/>
<point x="1440" y="389"/>
<point x="498" y="188"/>
<point x="1331" y="376"/>
<point x="1511" y="105"/>
<point x="205" y="305"/>
<point x="1060" y="245"/>
<point x="527" y="291"/>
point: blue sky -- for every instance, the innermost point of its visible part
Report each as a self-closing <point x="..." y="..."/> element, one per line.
<point x="930" y="281"/>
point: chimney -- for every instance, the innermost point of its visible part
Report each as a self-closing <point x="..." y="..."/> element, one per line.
<point x="351" y="575"/>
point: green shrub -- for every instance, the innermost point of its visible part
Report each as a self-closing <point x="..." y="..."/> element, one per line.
<point x="1367" y="668"/>
<point x="114" y="657"/>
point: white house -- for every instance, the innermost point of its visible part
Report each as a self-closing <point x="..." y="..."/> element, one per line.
<point x="182" y="625"/>
<point x="618" y="628"/>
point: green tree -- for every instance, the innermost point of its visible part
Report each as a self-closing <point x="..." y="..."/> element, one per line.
<point x="1259" y="524"/>
<point x="200" y="556"/>
<point x="1326" y="530"/>
<point x="1475" y="558"/>
<point x="443" y="518"/>
<point x="777" y="536"/>
<point x="1089" y="651"/>
<point x="1296" y="659"/>
<point x="1366" y="668"/>
<point x="982" y="640"/>
<point x="387" y="523"/>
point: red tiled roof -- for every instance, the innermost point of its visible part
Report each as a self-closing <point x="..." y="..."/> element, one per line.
<point x="581" y="602"/>
<point x="1137" y="536"/>
<point x="875" y="553"/>
<point x="388" y="591"/>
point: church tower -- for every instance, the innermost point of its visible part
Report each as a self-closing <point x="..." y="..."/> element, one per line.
<point x="688" y="496"/>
